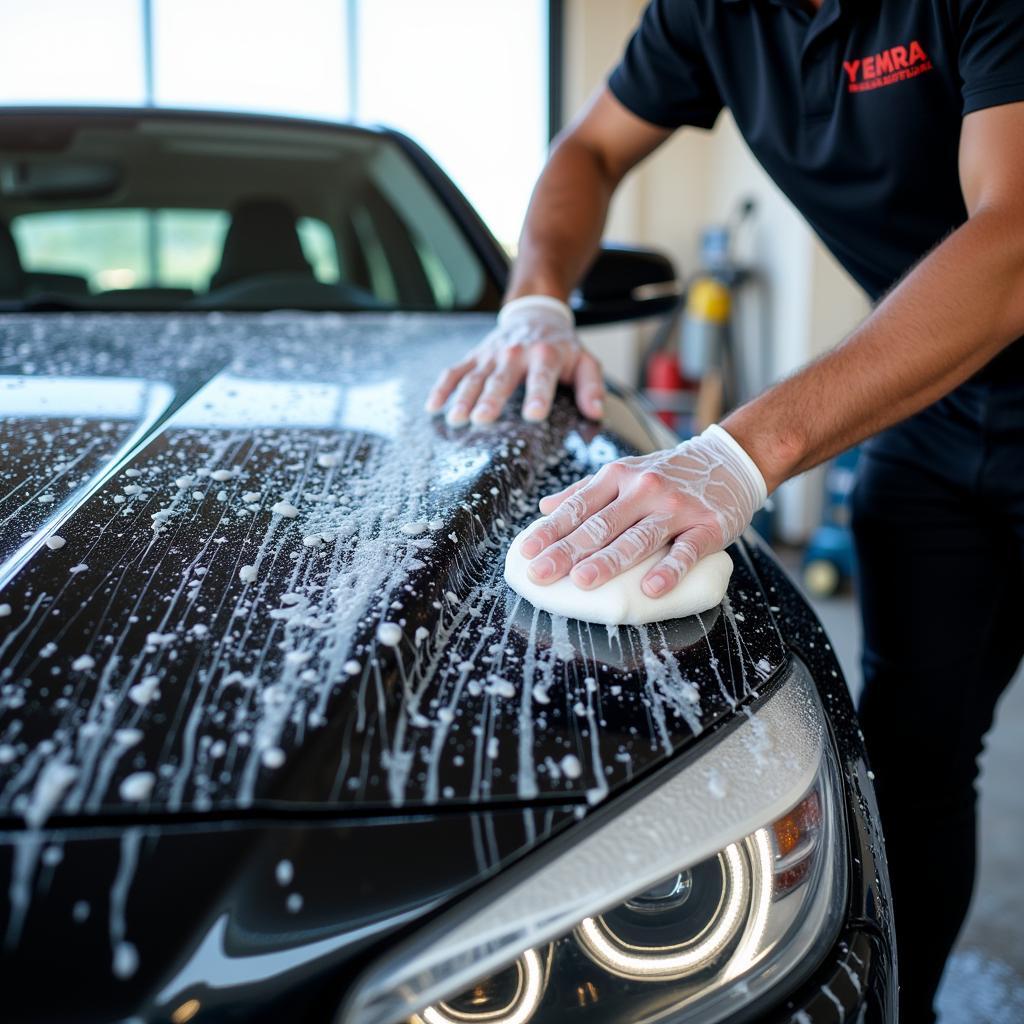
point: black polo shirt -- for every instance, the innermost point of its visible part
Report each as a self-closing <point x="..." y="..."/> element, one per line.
<point x="854" y="109"/>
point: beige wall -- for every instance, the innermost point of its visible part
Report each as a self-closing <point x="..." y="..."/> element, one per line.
<point x="698" y="178"/>
<point x="594" y="35"/>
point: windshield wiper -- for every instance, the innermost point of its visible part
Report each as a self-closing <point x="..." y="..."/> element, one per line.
<point x="41" y="304"/>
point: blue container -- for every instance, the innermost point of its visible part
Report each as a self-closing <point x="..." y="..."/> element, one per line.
<point x="829" y="560"/>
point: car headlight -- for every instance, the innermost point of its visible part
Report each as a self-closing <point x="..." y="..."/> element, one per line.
<point x="695" y="896"/>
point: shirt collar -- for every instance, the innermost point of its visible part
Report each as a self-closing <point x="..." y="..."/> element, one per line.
<point x="795" y="4"/>
<point x="821" y="18"/>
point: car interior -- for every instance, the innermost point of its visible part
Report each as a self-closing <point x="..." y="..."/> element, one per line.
<point x="171" y="213"/>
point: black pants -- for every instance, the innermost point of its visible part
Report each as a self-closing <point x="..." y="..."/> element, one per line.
<point x="939" y="525"/>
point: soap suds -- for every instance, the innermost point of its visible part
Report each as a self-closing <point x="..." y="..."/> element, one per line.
<point x="285" y="509"/>
<point x="137" y="787"/>
<point x="272" y="757"/>
<point x="389" y="634"/>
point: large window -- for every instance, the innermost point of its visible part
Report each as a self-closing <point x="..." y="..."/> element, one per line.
<point x="468" y="79"/>
<point x="465" y="78"/>
<point x="130" y="248"/>
<point x="71" y="51"/>
<point x="266" y="55"/>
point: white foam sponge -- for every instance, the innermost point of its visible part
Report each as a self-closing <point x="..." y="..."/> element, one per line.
<point x="621" y="602"/>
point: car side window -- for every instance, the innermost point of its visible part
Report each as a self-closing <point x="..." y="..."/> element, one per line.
<point x="132" y="248"/>
<point x="319" y="247"/>
<point x="113" y="250"/>
<point x="399" y="265"/>
<point x="104" y="248"/>
<point x="375" y="260"/>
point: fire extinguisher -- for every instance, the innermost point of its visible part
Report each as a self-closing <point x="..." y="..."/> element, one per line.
<point x="668" y="391"/>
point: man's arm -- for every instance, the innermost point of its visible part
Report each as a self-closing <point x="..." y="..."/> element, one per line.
<point x="569" y="205"/>
<point x="560" y="236"/>
<point x="957" y="309"/>
<point x="951" y="315"/>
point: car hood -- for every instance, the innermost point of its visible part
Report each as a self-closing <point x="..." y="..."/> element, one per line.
<point x="280" y="583"/>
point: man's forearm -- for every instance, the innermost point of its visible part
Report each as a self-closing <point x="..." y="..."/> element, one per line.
<point x="563" y="223"/>
<point x="959" y="307"/>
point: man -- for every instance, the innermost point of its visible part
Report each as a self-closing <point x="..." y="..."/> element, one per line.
<point x="897" y="128"/>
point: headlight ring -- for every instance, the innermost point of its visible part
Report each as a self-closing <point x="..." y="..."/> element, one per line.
<point x="516" y="1009"/>
<point x="746" y="882"/>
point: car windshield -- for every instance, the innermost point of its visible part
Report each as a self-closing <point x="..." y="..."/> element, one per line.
<point x="179" y="213"/>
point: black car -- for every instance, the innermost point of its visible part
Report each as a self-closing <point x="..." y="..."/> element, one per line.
<point x="276" y="741"/>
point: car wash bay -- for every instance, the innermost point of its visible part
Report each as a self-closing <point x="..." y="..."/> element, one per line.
<point x="788" y="302"/>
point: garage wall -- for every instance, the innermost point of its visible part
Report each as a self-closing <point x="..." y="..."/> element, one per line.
<point x="698" y="178"/>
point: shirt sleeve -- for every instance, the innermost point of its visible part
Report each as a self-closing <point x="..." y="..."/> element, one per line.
<point x="663" y="76"/>
<point x="991" y="54"/>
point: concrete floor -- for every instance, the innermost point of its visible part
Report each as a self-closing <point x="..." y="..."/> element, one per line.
<point x="984" y="981"/>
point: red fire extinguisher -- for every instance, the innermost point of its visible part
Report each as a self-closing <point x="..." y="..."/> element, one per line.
<point x="667" y="389"/>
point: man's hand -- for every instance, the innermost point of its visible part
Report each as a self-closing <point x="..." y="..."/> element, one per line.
<point x="535" y="339"/>
<point x="700" y="496"/>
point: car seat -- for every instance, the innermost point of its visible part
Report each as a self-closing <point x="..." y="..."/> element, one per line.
<point x="262" y="239"/>
<point x="12" y="275"/>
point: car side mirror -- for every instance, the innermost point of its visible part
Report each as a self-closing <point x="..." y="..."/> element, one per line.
<point x="626" y="283"/>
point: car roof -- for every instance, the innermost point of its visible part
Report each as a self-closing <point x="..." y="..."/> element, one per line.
<point x="187" y="158"/>
<point x="30" y="112"/>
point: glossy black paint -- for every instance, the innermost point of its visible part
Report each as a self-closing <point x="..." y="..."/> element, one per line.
<point x="207" y="912"/>
<point x="617" y="281"/>
<point x="857" y="981"/>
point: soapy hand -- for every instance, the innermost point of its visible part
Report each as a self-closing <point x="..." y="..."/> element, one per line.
<point x="699" y="496"/>
<point x="535" y="339"/>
